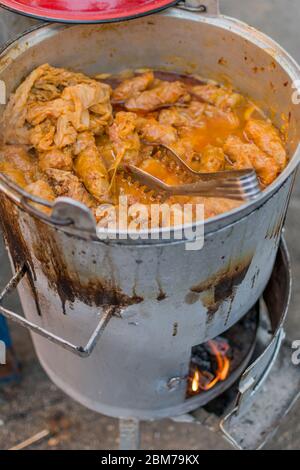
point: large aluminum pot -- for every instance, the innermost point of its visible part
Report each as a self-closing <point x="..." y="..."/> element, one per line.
<point x="156" y="299"/>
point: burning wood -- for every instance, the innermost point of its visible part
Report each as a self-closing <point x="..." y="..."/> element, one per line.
<point x="210" y="365"/>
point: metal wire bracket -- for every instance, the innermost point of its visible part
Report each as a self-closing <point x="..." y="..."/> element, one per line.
<point x="82" y="351"/>
<point x="256" y="374"/>
<point x="211" y="7"/>
<point x="66" y="212"/>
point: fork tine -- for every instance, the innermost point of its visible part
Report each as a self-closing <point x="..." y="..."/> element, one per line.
<point x="245" y="187"/>
<point x="247" y="192"/>
<point x="242" y="173"/>
<point x="239" y="188"/>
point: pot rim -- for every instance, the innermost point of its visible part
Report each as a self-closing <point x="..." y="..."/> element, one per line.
<point x="257" y="38"/>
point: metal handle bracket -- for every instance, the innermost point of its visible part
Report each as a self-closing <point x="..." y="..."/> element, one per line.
<point x="82" y="351"/>
<point x="210" y="7"/>
<point x="66" y="212"/>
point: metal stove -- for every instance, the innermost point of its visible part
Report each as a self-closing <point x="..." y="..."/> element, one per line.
<point x="247" y="406"/>
<point x="249" y="412"/>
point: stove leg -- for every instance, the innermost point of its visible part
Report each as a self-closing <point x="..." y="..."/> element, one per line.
<point x="129" y="430"/>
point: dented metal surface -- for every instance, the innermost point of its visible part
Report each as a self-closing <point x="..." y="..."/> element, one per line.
<point x="165" y="299"/>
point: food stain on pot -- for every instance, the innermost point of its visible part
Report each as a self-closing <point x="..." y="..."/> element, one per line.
<point x="175" y="329"/>
<point x="18" y="248"/>
<point x="191" y="298"/>
<point x="66" y="281"/>
<point x="221" y="286"/>
<point x="208" y="301"/>
<point x="254" y="278"/>
<point x="274" y="232"/>
<point x="161" y="294"/>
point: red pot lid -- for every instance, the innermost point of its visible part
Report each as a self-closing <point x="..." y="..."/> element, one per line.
<point x="86" y="11"/>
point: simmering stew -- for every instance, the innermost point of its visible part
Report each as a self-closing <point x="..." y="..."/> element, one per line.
<point x="68" y="134"/>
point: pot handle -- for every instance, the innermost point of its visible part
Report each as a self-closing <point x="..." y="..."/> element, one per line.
<point x="210" y="7"/>
<point x="82" y="351"/>
<point x="66" y="212"/>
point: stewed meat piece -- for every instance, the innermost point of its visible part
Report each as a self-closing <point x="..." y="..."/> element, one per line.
<point x="15" y="175"/>
<point x="154" y="132"/>
<point x="41" y="189"/>
<point x="90" y="168"/>
<point x="222" y="120"/>
<point x="212" y="121"/>
<point x="212" y="159"/>
<point x="132" y="86"/>
<point x="18" y="156"/>
<point x="245" y="155"/>
<point x="218" y="96"/>
<point x="65" y="183"/>
<point x="191" y="116"/>
<point x="267" y="138"/>
<point x="61" y="159"/>
<point x="187" y="142"/>
<point x="163" y="94"/>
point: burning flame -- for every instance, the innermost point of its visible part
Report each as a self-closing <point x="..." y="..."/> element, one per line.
<point x="204" y="380"/>
<point x="196" y="381"/>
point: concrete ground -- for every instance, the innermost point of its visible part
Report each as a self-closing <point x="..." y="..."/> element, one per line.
<point x="36" y="404"/>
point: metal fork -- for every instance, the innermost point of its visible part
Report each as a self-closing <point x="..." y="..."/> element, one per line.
<point x="241" y="188"/>
<point x="241" y="185"/>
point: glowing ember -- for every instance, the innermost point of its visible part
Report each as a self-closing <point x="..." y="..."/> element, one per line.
<point x="200" y="378"/>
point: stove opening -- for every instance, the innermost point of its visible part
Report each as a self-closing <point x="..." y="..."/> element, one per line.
<point x="210" y="364"/>
<point x="216" y="364"/>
